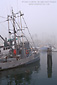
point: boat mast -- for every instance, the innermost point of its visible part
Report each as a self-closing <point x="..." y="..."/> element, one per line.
<point x="8" y="26"/>
<point x="21" y="28"/>
<point x="13" y="17"/>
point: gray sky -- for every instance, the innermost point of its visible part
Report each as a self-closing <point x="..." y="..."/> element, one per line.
<point x="41" y="19"/>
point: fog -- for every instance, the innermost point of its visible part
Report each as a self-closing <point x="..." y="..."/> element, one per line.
<point x="41" y="19"/>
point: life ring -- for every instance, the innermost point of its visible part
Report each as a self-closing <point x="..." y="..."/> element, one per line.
<point x="27" y="52"/>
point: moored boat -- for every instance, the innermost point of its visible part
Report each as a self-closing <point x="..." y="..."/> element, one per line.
<point x="16" y="50"/>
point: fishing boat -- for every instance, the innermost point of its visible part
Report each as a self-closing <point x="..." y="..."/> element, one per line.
<point x="17" y="50"/>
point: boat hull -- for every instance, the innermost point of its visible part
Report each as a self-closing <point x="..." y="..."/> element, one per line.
<point x="17" y="63"/>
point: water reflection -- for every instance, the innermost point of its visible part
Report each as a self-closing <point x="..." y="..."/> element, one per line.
<point x="49" y="64"/>
<point x="19" y="76"/>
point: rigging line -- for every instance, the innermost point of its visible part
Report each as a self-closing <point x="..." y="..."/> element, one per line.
<point x="3" y="21"/>
<point x="23" y="33"/>
<point x="7" y="19"/>
<point x="19" y="27"/>
<point x="3" y="17"/>
<point x="28" y="31"/>
<point x="12" y="22"/>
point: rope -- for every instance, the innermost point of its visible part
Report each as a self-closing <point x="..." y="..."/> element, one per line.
<point x="23" y="33"/>
<point x="28" y="31"/>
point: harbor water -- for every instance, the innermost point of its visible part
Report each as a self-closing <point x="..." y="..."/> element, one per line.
<point x="43" y="72"/>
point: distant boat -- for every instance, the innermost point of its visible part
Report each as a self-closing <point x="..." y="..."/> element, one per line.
<point x="16" y="50"/>
<point x="54" y="50"/>
<point x="43" y="49"/>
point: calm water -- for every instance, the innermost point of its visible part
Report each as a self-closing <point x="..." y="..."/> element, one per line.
<point x="39" y="73"/>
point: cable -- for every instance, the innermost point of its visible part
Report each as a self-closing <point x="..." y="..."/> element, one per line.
<point x="3" y="21"/>
<point x="29" y="31"/>
<point x="3" y="17"/>
<point x="23" y="33"/>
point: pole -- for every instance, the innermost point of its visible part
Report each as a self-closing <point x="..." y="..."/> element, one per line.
<point x="14" y="29"/>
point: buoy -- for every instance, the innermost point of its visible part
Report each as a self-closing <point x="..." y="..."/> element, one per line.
<point x="14" y="51"/>
<point x="27" y="52"/>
